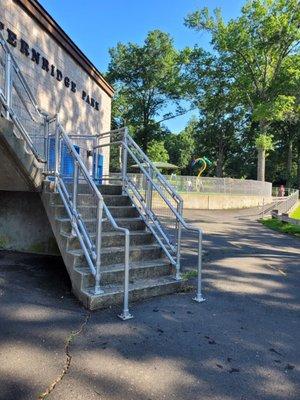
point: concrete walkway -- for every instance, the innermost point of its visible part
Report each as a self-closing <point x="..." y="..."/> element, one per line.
<point x="242" y="343"/>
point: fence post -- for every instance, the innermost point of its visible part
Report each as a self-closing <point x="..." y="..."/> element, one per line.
<point x="199" y="298"/>
<point x="8" y="83"/>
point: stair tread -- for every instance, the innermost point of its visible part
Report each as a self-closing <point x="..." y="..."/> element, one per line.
<point x="92" y="206"/>
<point x="125" y="219"/>
<point x="115" y="233"/>
<point x="159" y="262"/>
<point x="139" y="284"/>
<point x="112" y="249"/>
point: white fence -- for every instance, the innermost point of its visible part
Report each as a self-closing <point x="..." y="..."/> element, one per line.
<point x="207" y="185"/>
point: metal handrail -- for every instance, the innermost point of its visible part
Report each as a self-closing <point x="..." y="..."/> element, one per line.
<point x="93" y="256"/>
<point x="94" y="264"/>
<point x="6" y="97"/>
<point x="21" y="77"/>
<point x="125" y="140"/>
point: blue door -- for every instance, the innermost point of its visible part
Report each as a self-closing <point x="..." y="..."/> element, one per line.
<point x="98" y="169"/>
<point x="67" y="161"/>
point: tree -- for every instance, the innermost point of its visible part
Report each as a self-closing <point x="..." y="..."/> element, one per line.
<point x="212" y="92"/>
<point x="263" y="144"/>
<point x="150" y="85"/>
<point x="181" y="147"/>
<point x="157" y="152"/>
<point x="255" y="46"/>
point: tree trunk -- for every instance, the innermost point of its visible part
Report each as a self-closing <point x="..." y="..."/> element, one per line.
<point x="298" y="166"/>
<point x="261" y="164"/>
<point x="220" y="163"/>
<point x="289" y="163"/>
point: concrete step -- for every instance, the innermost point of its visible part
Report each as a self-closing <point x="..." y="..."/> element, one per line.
<point x="90" y="211"/>
<point x="110" y="189"/>
<point x="116" y="255"/>
<point x="114" y="274"/>
<point x="83" y="188"/>
<point x="87" y="199"/>
<point x="113" y="239"/>
<point x="117" y="200"/>
<point x="141" y="289"/>
<point x="133" y="224"/>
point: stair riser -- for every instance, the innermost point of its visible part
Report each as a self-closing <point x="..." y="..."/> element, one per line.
<point x="114" y="240"/>
<point x="109" y="278"/>
<point x="117" y="200"/>
<point x="117" y="257"/>
<point x="85" y="199"/>
<point x="124" y="212"/>
<point x="135" y="295"/>
<point x="91" y="212"/>
<point x="110" y="189"/>
<point x="82" y="199"/>
<point x="104" y="189"/>
<point x="106" y="226"/>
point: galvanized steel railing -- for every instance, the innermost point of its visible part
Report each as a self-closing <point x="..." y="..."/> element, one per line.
<point x="88" y="231"/>
<point x="160" y="206"/>
<point x="20" y="106"/>
<point x="158" y="203"/>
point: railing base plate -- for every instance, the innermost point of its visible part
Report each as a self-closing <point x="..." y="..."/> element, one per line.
<point x="125" y="316"/>
<point x="199" y="299"/>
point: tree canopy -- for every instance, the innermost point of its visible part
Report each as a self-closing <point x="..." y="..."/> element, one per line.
<point x="246" y="91"/>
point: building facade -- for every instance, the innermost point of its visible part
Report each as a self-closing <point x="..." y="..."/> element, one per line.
<point x="62" y="79"/>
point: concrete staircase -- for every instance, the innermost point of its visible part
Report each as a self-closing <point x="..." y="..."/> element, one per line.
<point x="20" y="170"/>
<point x="151" y="273"/>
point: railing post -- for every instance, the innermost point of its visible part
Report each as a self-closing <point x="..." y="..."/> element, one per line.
<point x="199" y="298"/>
<point x="57" y="154"/>
<point x="125" y="313"/>
<point x="179" y="232"/>
<point x="46" y="141"/>
<point x="98" y="289"/>
<point x="74" y="195"/>
<point x="149" y="190"/>
<point x="124" y="161"/>
<point x="8" y="83"/>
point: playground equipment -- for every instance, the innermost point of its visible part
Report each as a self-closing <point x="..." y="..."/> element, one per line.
<point x="202" y="163"/>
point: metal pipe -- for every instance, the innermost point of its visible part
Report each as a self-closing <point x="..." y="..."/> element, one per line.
<point x="124" y="162"/>
<point x="8" y="83"/>
<point x="126" y="314"/>
<point x="199" y="298"/>
<point x="82" y="244"/>
<point x="98" y="289"/>
<point x="57" y="155"/>
<point x="74" y="194"/>
<point x="179" y="232"/>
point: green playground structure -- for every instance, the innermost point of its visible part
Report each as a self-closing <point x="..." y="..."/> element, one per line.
<point x="201" y="163"/>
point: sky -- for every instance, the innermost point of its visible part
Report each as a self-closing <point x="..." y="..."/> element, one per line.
<point x="97" y="25"/>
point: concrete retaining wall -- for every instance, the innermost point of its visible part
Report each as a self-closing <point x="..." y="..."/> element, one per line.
<point x="222" y="202"/>
<point x="200" y="201"/>
<point x="24" y="225"/>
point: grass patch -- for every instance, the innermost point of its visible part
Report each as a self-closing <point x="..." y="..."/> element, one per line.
<point x="296" y="213"/>
<point x="282" y="226"/>
<point x="192" y="273"/>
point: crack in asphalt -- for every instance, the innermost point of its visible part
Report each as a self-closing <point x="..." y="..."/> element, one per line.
<point x="69" y="339"/>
